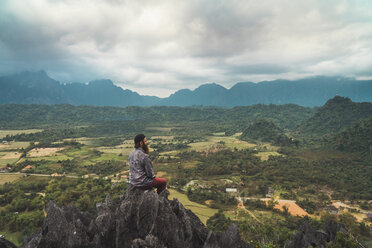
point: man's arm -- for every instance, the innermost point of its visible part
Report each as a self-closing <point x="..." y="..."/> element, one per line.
<point x="148" y="167"/>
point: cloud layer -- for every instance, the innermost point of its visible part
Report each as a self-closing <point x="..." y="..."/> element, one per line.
<point x="157" y="47"/>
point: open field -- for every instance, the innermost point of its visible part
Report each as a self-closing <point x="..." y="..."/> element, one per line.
<point x="360" y="215"/>
<point x="161" y="174"/>
<point x="83" y="140"/>
<point x="214" y="144"/>
<point x="4" y="133"/>
<point x="220" y="142"/>
<point x="9" y="155"/>
<point x="108" y="156"/>
<point x="4" y="162"/>
<point x="265" y="155"/>
<point x="43" y="152"/>
<point x="123" y="149"/>
<point x="55" y="158"/>
<point x="164" y="138"/>
<point x="293" y="208"/>
<point x="219" y="134"/>
<point x="202" y="211"/>
<point x="189" y="165"/>
<point x="162" y="129"/>
<point x="14" y="146"/>
<point x="9" y="178"/>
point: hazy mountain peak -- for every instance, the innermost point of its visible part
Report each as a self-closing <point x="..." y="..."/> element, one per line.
<point x="101" y="82"/>
<point x="210" y="86"/>
<point x="33" y="76"/>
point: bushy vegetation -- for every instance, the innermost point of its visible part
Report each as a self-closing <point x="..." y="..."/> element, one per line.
<point x="27" y="116"/>
<point x="356" y="139"/>
<point x="266" y="131"/>
<point x="22" y="203"/>
<point x="337" y="114"/>
<point x="219" y="222"/>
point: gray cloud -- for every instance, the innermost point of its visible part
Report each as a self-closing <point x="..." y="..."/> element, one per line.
<point x="258" y="69"/>
<point x="157" y="47"/>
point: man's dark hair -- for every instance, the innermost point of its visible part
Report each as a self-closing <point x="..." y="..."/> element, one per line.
<point x="139" y="137"/>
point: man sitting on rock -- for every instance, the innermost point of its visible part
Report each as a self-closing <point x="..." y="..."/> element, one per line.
<point x="141" y="173"/>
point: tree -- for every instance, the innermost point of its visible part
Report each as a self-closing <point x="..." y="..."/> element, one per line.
<point x="218" y="222"/>
<point x="343" y="240"/>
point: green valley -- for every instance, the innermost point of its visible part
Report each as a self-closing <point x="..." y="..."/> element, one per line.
<point x="266" y="168"/>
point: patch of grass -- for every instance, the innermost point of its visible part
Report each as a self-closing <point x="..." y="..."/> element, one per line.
<point x="44" y="152"/>
<point x="265" y="155"/>
<point x="220" y="142"/>
<point x="107" y="156"/>
<point x="47" y="168"/>
<point x="9" y="178"/>
<point x="213" y="144"/>
<point x="168" y="168"/>
<point x="237" y="134"/>
<point x="110" y="150"/>
<point x="10" y="155"/>
<point x="83" y="140"/>
<point x="164" y="138"/>
<point x="191" y="164"/>
<point x="171" y="153"/>
<point x="202" y="211"/>
<point x="82" y="152"/>
<point x="4" y="133"/>
<point x="202" y="146"/>
<point x="116" y="150"/>
<point x="4" y="162"/>
<point x="53" y="158"/>
<point x="11" y="146"/>
<point x="161" y="174"/>
<point x="161" y="129"/>
<point x="13" y="237"/>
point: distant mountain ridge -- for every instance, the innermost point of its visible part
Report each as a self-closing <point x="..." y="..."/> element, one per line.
<point x="38" y="87"/>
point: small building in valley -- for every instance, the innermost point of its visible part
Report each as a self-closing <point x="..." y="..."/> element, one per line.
<point x="28" y="167"/>
<point x="231" y="190"/>
<point x="270" y="192"/>
<point x="331" y="209"/>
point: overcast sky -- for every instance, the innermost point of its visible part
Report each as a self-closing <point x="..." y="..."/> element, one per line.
<point x="156" y="47"/>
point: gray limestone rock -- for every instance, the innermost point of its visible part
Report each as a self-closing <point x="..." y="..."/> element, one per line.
<point x="143" y="219"/>
<point x="6" y="244"/>
<point x="309" y="237"/>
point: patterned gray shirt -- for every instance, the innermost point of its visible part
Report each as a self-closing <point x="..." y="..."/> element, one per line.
<point x="140" y="168"/>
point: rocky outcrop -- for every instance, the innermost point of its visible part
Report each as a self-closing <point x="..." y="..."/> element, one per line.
<point x="309" y="237"/>
<point x="143" y="219"/>
<point x="6" y="244"/>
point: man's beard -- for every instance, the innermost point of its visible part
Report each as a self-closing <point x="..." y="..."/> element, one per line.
<point x="146" y="148"/>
